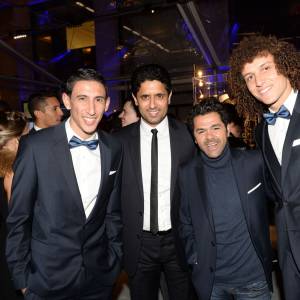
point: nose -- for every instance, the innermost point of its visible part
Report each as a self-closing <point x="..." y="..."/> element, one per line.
<point x="259" y="79"/>
<point x="120" y="116"/>
<point x="152" y="102"/>
<point x="208" y="134"/>
<point x="60" y="112"/>
<point x="91" y="107"/>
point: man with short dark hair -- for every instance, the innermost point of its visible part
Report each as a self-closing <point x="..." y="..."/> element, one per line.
<point x="223" y="213"/>
<point x="44" y="108"/>
<point x="64" y="222"/>
<point x="153" y="149"/>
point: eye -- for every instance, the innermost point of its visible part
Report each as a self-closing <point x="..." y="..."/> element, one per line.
<point x="160" y="96"/>
<point x="100" y="99"/>
<point x="145" y="97"/>
<point x="249" y="78"/>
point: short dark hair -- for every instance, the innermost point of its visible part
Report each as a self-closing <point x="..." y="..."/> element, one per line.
<point x="38" y="101"/>
<point x="150" y="72"/>
<point x="208" y="105"/>
<point x="131" y="101"/>
<point x="83" y="74"/>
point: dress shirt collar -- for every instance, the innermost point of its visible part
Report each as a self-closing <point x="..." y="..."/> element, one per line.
<point x="162" y="127"/>
<point x="289" y="103"/>
<point x="70" y="132"/>
<point x="36" y="128"/>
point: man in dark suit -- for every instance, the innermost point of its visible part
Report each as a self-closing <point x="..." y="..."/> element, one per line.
<point x="149" y="204"/>
<point x="44" y="108"/>
<point x="223" y="213"/>
<point x="64" y="220"/>
<point x="267" y="69"/>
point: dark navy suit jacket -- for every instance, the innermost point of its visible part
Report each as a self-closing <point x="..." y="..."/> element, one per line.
<point x="196" y="219"/>
<point x="51" y="245"/>
<point x="285" y="180"/>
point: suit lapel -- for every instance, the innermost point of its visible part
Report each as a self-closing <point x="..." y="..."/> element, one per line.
<point x="241" y="181"/>
<point x="174" y="146"/>
<point x="63" y="158"/>
<point x="135" y="152"/>
<point x="293" y="131"/>
<point x="105" y="156"/>
<point x="203" y="193"/>
<point x="270" y="156"/>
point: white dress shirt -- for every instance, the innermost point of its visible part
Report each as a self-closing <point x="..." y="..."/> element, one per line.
<point x="87" y="166"/>
<point x="164" y="173"/>
<point x="278" y="131"/>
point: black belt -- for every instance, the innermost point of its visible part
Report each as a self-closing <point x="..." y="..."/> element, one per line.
<point x="160" y="233"/>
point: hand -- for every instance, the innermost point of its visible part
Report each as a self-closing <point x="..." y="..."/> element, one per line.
<point x="24" y="291"/>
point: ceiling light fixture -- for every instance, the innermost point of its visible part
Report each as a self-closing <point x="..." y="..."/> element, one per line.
<point x="20" y="36"/>
<point x="147" y="39"/>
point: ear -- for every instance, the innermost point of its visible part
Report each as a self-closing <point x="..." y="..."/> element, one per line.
<point x="66" y="100"/>
<point x="228" y="130"/>
<point x="107" y="102"/>
<point x="135" y="100"/>
<point x="37" y="113"/>
<point x="169" y="98"/>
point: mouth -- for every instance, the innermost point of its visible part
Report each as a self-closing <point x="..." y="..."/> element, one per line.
<point x="265" y="90"/>
<point x="212" y="146"/>
<point x="153" y="113"/>
<point x="89" y="120"/>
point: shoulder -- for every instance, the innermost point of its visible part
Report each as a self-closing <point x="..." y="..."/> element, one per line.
<point x="191" y="163"/>
<point x="247" y="156"/>
<point x="127" y="131"/>
<point x="109" y="138"/>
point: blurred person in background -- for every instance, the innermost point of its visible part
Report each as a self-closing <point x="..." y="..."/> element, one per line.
<point x="130" y="113"/>
<point x="12" y="126"/>
<point x="44" y="108"/>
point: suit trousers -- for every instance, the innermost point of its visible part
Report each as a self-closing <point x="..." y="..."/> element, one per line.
<point x="104" y="294"/>
<point x="290" y="272"/>
<point x="157" y="255"/>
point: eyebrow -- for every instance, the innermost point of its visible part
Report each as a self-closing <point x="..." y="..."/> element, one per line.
<point x="260" y="66"/>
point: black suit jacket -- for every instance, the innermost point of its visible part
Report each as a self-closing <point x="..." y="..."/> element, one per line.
<point x="182" y="147"/>
<point x="285" y="180"/>
<point x="196" y="219"/>
<point x="51" y="244"/>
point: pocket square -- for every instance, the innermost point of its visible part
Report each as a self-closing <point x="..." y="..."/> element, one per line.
<point x="254" y="188"/>
<point x="296" y="143"/>
<point x="112" y="172"/>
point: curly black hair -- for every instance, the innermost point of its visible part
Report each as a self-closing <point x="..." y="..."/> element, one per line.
<point x="287" y="62"/>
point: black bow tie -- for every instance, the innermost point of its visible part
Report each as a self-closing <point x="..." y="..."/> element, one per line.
<point x="76" y="142"/>
<point x="283" y="112"/>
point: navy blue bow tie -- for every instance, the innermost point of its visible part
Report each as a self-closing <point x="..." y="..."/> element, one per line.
<point x="283" y="112"/>
<point x="76" y="142"/>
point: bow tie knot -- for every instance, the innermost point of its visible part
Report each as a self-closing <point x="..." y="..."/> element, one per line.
<point x="270" y="117"/>
<point x="76" y="142"/>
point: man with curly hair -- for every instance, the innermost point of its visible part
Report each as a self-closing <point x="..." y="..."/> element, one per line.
<point x="264" y="80"/>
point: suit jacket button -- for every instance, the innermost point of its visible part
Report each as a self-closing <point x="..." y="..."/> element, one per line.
<point x="138" y="236"/>
<point x="141" y="213"/>
<point x="211" y="269"/>
<point x="213" y="243"/>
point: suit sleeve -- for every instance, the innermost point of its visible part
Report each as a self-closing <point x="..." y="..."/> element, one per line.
<point x="186" y="231"/>
<point x="113" y="221"/>
<point x="19" y="220"/>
